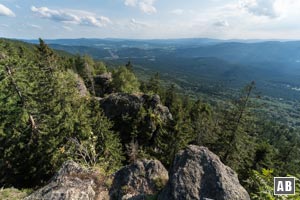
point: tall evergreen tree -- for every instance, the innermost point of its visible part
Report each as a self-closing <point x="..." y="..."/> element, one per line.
<point x="235" y="143"/>
<point x="84" y="66"/>
<point x="202" y="124"/>
<point x="124" y="80"/>
<point x="41" y="109"/>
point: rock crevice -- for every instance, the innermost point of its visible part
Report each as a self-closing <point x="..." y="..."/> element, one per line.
<point x="196" y="174"/>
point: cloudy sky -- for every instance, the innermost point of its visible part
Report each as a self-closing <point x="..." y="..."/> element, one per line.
<point x="224" y="19"/>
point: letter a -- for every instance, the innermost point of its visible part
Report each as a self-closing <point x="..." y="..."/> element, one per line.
<point x="280" y="186"/>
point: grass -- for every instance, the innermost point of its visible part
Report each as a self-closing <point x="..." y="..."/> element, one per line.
<point x="13" y="193"/>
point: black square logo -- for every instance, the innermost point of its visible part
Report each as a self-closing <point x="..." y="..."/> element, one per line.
<point x="284" y="186"/>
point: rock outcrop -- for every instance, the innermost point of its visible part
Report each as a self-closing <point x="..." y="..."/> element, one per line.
<point x="103" y="84"/>
<point x="124" y="110"/>
<point x="2" y="56"/>
<point x="81" y="87"/>
<point x="139" y="180"/>
<point x="71" y="182"/>
<point x="197" y="173"/>
<point x="118" y="104"/>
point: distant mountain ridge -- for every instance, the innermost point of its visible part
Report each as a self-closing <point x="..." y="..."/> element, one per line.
<point x="194" y="41"/>
<point x="232" y="63"/>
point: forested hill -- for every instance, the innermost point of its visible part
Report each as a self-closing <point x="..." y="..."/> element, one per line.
<point x="55" y="107"/>
<point x="204" y="65"/>
<point x="214" y="70"/>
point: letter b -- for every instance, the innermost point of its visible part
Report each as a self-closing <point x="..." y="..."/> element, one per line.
<point x="288" y="186"/>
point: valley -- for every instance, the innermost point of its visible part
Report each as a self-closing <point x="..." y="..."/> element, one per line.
<point x="213" y="70"/>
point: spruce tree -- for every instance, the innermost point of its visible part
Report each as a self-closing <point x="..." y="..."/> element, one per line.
<point x="235" y="144"/>
<point x="84" y="66"/>
<point x="125" y="81"/>
<point x="108" y="144"/>
<point x="202" y="124"/>
<point x="46" y="111"/>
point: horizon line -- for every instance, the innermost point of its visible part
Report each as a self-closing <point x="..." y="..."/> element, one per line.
<point x="149" y="39"/>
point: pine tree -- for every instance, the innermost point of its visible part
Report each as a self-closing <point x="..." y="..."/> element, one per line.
<point x="15" y="126"/>
<point x="108" y="144"/>
<point x="202" y="124"/>
<point x="84" y="66"/>
<point x="153" y="85"/>
<point x="176" y="134"/>
<point x="43" y="99"/>
<point x="129" y="66"/>
<point x="235" y="144"/>
<point x="125" y="81"/>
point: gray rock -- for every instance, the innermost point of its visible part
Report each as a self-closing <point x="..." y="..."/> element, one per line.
<point x="103" y="84"/>
<point x="2" y="56"/>
<point x="118" y="104"/>
<point x="197" y="173"/>
<point x="123" y="109"/>
<point x="81" y="87"/>
<point x="71" y="182"/>
<point x="136" y="181"/>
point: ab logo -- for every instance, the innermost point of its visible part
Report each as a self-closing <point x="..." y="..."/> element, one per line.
<point x="284" y="185"/>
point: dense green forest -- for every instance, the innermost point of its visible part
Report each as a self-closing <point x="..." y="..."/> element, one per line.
<point x="213" y="70"/>
<point x="45" y="119"/>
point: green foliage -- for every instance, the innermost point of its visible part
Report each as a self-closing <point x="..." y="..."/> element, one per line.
<point x="285" y="143"/>
<point x="263" y="156"/>
<point x="41" y="109"/>
<point x="44" y="121"/>
<point x="177" y="133"/>
<point x="100" y="68"/>
<point x="108" y="144"/>
<point x="261" y="186"/>
<point x="84" y="66"/>
<point x="153" y="85"/>
<point x="13" y="193"/>
<point x="125" y="81"/>
<point x="202" y="124"/>
<point x="236" y="142"/>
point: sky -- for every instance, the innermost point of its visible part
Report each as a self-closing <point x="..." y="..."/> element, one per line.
<point x="149" y="19"/>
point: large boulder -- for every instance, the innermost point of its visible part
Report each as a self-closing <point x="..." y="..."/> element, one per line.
<point x="103" y="84"/>
<point x="139" y="180"/>
<point x="125" y="111"/>
<point x="118" y="104"/>
<point x="197" y="173"/>
<point x="71" y="182"/>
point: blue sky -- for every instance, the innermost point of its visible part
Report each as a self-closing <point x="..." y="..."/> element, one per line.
<point x="224" y="19"/>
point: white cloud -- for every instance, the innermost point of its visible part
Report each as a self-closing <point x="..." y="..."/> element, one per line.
<point x="72" y="16"/>
<point x="260" y="7"/>
<point x="35" y="26"/>
<point x="137" y="24"/>
<point x="221" y="23"/>
<point x="5" y="11"/>
<point x="145" y="6"/>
